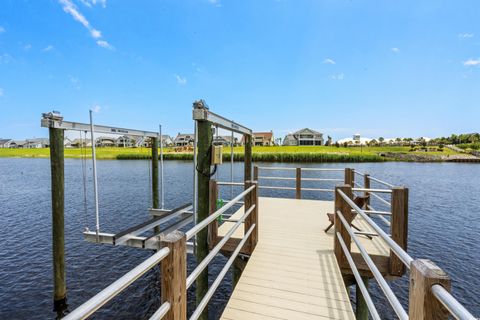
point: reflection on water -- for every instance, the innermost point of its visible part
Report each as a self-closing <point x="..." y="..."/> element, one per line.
<point x="443" y="226"/>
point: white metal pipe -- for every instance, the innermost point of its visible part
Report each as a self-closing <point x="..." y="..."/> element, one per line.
<point x="303" y="169"/>
<point x="277" y="188"/>
<point x="316" y="189"/>
<point x="371" y="306"/>
<point x="396" y="305"/>
<point x="402" y="254"/>
<point x="276" y="178"/>
<point x="202" y="265"/>
<point x="372" y="190"/>
<point x="382" y="182"/>
<point x="455" y="308"/>
<point x="225" y="183"/>
<point x="161" y="312"/>
<point x="162" y="194"/>
<point x="196" y="314"/>
<point x="359" y="173"/>
<point x="95" y="303"/>
<point x="381" y="217"/>
<point x="95" y="180"/>
<point x="205" y="222"/>
<point x="231" y="165"/>
<point x="322" y="179"/>
<point x="381" y="199"/>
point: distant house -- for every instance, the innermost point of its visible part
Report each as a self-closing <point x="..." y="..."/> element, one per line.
<point x="304" y="137"/>
<point x="356" y="140"/>
<point x="7" y="143"/>
<point x="19" y="144"/>
<point x="167" y="141"/>
<point x="261" y="139"/>
<point x="105" y="142"/>
<point x="79" y="143"/>
<point x="37" y="143"/>
<point x="182" y="140"/>
<point x="225" y="141"/>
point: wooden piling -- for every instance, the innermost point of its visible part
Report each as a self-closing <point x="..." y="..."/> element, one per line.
<point x="255" y="173"/>
<point x="423" y="305"/>
<point x="213" y="227"/>
<point x="366" y="185"/>
<point x="204" y="154"/>
<point x="58" y="224"/>
<point x="344" y="208"/>
<point x="399" y="227"/>
<point x="298" y="187"/>
<point x="251" y="200"/>
<point x="361" y="309"/>
<point x="248" y="158"/>
<point x="155" y="197"/>
<point x="349" y="177"/>
<point x="174" y="275"/>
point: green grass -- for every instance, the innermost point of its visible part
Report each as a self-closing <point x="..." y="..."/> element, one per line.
<point x="266" y="154"/>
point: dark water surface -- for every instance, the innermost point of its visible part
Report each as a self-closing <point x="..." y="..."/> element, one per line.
<point x="444" y="227"/>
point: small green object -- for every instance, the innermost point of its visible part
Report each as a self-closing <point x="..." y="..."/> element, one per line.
<point x="220" y="203"/>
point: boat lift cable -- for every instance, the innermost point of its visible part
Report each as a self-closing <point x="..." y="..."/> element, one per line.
<point x="95" y="181"/>
<point x="83" y="160"/>
<point x="162" y="194"/>
<point x="231" y="166"/>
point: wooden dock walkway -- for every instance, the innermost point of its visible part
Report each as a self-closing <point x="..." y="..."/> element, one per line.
<point x="293" y="273"/>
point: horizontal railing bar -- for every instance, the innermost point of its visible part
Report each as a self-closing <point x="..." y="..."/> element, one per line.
<point x="455" y="308"/>
<point x="382" y="182"/>
<point x="322" y="179"/>
<point x="368" y="299"/>
<point x="381" y="217"/>
<point x="359" y="173"/>
<point x="276" y="178"/>
<point x="357" y="184"/>
<point x="198" y="311"/>
<point x="317" y="189"/>
<point x="303" y="169"/>
<point x="96" y="302"/>
<point x="366" y="233"/>
<point x="276" y="168"/>
<point x="202" y="265"/>
<point x="404" y="256"/>
<point x="192" y="232"/>
<point x="372" y="190"/>
<point x="238" y="202"/>
<point x="380" y="213"/>
<point x="322" y="169"/>
<point x="381" y="199"/>
<point x="226" y="183"/>
<point x="161" y="312"/>
<point x="394" y="302"/>
<point x="278" y="188"/>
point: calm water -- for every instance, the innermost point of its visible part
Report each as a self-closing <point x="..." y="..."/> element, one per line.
<point x="444" y="223"/>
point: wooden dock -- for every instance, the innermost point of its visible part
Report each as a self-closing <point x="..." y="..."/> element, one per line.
<point x="293" y="273"/>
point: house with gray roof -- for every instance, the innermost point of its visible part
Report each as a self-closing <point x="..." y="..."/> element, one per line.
<point x="304" y="137"/>
<point x="184" y="139"/>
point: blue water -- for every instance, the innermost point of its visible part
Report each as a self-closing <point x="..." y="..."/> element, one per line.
<point x="443" y="226"/>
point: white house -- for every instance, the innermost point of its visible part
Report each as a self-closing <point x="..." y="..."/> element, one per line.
<point x="356" y="140"/>
<point x="304" y="137"/>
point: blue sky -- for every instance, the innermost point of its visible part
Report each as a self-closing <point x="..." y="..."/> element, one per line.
<point x="380" y="68"/>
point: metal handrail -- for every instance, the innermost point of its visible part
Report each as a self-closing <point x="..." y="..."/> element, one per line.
<point x="359" y="173"/>
<point x="276" y="178"/>
<point x="455" y="308"/>
<point x="195" y="273"/>
<point x="381" y="199"/>
<point x="228" y="183"/>
<point x="205" y="222"/>
<point x="278" y="188"/>
<point x="317" y="189"/>
<point x="402" y="254"/>
<point x="372" y="190"/>
<point x="107" y="294"/>
<point x="303" y="169"/>
<point x="358" y="277"/>
<point x="394" y="302"/>
<point x="381" y="217"/>
<point x="201" y="306"/>
<point x="161" y="312"/>
<point x="382" y="182"/>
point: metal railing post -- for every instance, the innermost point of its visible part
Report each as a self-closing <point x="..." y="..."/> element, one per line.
<point x="423" y="305"/>
<point x="298" y="188"/>
<point x="213" y="227"/>
<point x="174" y="275"/>
<point x="344" y="208"/>
<point x="399" y="227"/>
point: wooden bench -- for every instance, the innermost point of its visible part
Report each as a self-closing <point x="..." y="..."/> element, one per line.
<point x="360" y="201"/>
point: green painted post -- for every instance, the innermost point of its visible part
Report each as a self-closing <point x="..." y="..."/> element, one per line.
<point x="58" y="224"/>
<point x="155" y="198"/>
<point x="205" y="136"/>
<point x="361" y="311"/>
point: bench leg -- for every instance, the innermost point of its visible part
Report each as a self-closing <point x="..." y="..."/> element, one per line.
<point x="328" y="228"/>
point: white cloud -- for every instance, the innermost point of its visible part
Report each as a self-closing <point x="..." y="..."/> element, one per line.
<point x="1" y="92"/>
<point x="75" y="82"/>
<point x="339" y="76"/>
<point x="96" y="108"/>
<point x="27" y="47"/>
<point x="48" y="48"/>
<point x="2" y="29"/>
<point x="329" y="61"/>
<point x="216" y="3"/>
<point x="70" y="8"/>
<point x="472" y="62"/>
<point x="396" y="50"/>
<point x="181" y="80"/>
<point x="105" y="44"/>
<point x="466" y="35"/>
<point x="91" y="3"/>
<point x="5" y="58"/>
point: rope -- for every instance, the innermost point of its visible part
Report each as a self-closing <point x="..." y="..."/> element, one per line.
<point x="83" y="160"/>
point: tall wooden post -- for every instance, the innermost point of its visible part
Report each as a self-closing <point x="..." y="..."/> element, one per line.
<point x="205" y="140"/>
<point x="399" y="227"/>
<point x="155" y="198"/>
<point x="344" y="208"/>
<point x="366" y="185"/>
<point x="361" y="309"/>
<point x="58" y="225"/>
<point x="349" y="178"/>
<point x="255" y="173"/>
<point x="248" y="158"/>
<point x="252" y="200"/>
<point x="298" y="180"/>
<point x="174" y="275"/>
<point x="423" y="305"/>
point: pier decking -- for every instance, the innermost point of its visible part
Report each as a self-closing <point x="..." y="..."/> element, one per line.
<point x="293" y="273"/>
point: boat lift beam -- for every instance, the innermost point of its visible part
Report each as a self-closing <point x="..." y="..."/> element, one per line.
<point x="204" y="114"/>
<point x="54" y="120"/>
